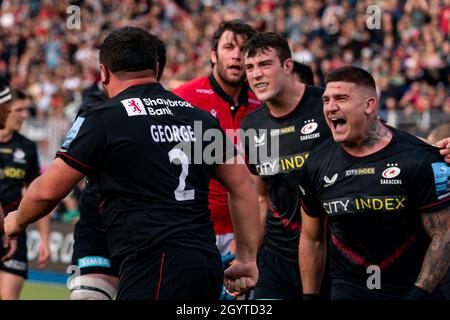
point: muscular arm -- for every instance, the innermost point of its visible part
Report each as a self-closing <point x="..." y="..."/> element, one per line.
<point x="263" y="201"/>
<point x="243" y="207"/>
<point x="312" y="252"/>
<point x="437" y="258"/>
<point x="43" y="195"/>
<point x="243" y="273"/>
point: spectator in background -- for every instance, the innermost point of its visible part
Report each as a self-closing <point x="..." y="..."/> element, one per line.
<point x="37" y="42"/>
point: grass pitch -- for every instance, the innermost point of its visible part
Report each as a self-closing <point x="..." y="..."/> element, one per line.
<point x="44" y="291"/>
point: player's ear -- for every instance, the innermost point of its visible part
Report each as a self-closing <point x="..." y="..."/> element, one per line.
<point x="370" y="105"/>
<point x="104" y="74"/>
<point x="288" y="65"/>
<point x="213" y="56"/>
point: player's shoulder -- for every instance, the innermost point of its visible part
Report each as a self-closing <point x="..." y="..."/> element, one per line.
<point x="410" y="142"/>
<point x="322" y="150"/>
<point x="21" y="139"/>
<point x="198" y="86"/>
<point x="256" y="116"/>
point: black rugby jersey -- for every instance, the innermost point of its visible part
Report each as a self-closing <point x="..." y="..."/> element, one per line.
<point x="20" y="166"/>
<point x="292" y="137"/>
<point x="374" y="204"/>
<point x="144" y="150"/>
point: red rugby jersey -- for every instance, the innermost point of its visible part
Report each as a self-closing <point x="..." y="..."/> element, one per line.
<point x="206" y="94"/>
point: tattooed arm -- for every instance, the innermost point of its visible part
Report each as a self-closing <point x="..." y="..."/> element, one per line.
<point x="437" y="258"/>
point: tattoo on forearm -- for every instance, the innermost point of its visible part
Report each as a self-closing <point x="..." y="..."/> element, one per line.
<point x="437" y="257"/>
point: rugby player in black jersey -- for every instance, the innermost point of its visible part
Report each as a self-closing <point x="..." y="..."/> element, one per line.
<point x="7" y="247"/>
<point x="153" y="195"/>
<point x="98" y="276"/>
<point x="291" y="123"/>
<point x="20" y="166"/>
<point x="385" y="195"/>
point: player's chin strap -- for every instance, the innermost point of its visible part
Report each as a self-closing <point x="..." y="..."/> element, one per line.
<point x="89" y="288"/>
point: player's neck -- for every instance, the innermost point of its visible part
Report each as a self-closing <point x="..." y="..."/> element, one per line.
<point x="117" y="86"/>
<point x="5" y="135"/>
<point x="232" y="91"/>
<point x="287" y="99"/>
<point x="377" y="137"/>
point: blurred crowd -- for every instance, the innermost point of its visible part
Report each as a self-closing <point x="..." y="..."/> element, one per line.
<point x="44" y="53"/>
<point x="53" y="62"/>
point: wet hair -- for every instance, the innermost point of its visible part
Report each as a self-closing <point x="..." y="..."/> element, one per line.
<point x="237" y="27"/>
<point x="263" y="41"/>
<point x="304" y="72"/>
<point x="352" y="74"/>
<point x="129" y="49"/>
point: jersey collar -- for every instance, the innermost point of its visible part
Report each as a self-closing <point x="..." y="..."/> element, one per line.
<point x="243" y="94"/>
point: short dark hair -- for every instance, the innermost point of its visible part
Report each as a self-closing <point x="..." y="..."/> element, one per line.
<point x="304" y="72"/>
<point x="161" y="58"/>
<point x="352" y="74"/>
<point x="129" y="49"/>
<point x="237" y="26"/>
<point x="263" y="41"/>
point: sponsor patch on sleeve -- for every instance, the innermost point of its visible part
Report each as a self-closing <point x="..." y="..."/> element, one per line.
<point x="134" y="107"/>
<point x="441" y="172"/>
<point x="73" y="132"/>
<point x="94" y="261"/>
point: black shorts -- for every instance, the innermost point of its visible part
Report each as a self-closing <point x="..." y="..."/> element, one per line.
<point x="18" y="264"/>
<point x="171" y="274"/>
<point x="352" y="290"/>
<point x="90" y="251"/>
<point x="278" y="278"/>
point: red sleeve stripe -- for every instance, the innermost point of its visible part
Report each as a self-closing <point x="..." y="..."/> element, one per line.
<point x="433" y="204"/>
<point x="73" y="159"/>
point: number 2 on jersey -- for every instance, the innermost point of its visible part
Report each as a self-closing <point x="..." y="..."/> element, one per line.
<point x="180" y="193"/>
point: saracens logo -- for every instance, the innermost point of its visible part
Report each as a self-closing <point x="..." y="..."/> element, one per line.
<point x="309" y="127"/>
<point x="308" y="130"/>
<point x="391" y="171"/>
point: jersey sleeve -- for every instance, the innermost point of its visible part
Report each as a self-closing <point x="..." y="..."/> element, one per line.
<point x="85" y="144"/>
<point x="309" y="200"/>
<point x="432" y="184"/>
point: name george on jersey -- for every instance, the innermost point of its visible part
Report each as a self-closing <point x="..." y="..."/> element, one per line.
<point x="172" y="133"/>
